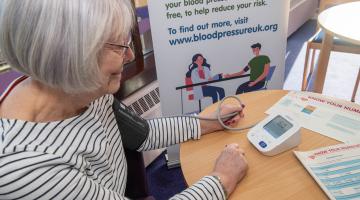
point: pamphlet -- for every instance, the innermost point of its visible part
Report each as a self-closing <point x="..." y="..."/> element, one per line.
<point x="331" y="117"/>
<point x="335" y="168"/>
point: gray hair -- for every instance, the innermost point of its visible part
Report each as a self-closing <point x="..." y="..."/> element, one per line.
<point x="58" y="42"/>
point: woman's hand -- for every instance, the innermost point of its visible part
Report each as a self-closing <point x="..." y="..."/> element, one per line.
<point x="230" y="166"/>
<point x="211" y="126"/>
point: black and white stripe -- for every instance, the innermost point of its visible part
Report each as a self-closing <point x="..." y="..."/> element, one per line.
<point x="207" y="188"/>
<point x="83" y="157"/>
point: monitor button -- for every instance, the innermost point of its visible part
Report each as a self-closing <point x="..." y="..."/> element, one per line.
<point x="262" y="144"/>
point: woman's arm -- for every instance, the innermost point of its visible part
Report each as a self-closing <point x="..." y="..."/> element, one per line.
<point x="167" y="131"/>
<point x="37" y="175"/>
<point x="229" y="170"/>
<point x="208" y="188"/>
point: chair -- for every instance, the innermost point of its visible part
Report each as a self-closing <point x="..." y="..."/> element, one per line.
<point x="191" y="93"/>
<point x="315" y="42"/>
<point x="200" y="107"/>
<point x="7" y="76"/>
<point x="136" y="185"/>
<point x="269" y="76"/>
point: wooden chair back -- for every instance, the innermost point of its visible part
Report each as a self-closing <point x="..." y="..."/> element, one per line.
<point x="313" y="44"/>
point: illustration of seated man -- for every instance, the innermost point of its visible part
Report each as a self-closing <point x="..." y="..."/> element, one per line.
<point x="199" y="71"/>
<point x="259" y="68"/>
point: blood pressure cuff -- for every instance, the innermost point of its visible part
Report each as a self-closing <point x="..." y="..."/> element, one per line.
<point x="133" y="129"/>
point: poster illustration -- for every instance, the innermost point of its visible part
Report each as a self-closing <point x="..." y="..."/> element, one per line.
<point x="208" y="49"/>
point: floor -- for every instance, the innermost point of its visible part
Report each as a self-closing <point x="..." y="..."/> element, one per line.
<point x="342" y="69"/>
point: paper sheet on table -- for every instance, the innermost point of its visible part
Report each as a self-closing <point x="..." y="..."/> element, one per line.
<point x="336" y="169"/>
<point x="337" y="119"/>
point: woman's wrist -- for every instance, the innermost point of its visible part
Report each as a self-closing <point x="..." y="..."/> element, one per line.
<point x="209" y="126"/>
<point x="204" y="129"/>
<point x="220" y="180"/>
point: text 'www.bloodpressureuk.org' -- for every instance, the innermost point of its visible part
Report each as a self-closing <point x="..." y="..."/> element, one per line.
<point x="218" y="35"/>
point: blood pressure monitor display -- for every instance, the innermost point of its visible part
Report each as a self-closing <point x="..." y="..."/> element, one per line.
<point x="278" y="126"/>
<point x="275" y="134"/>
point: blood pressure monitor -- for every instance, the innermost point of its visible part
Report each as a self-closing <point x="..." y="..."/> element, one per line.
<point x="275" y="134"/>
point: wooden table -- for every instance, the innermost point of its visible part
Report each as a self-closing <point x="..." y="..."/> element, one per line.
<point x="278" y="177"/>
<point x="340" y="21"/>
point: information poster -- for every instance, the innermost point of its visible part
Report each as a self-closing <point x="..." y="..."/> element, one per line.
<point x="208" y="49"/>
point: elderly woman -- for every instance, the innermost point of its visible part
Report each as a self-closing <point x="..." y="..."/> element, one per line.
<point x="59" y="138"/>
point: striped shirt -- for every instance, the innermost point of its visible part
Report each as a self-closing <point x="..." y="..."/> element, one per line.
<point x="82" y="157"/>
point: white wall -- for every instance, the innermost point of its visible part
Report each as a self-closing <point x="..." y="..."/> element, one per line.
<point x="300" y="12"/>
